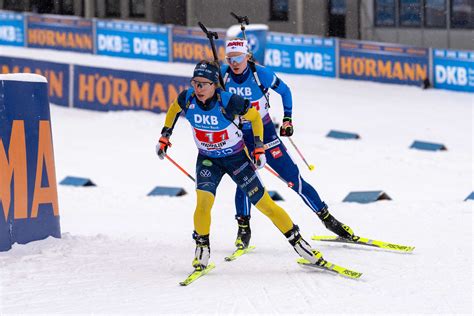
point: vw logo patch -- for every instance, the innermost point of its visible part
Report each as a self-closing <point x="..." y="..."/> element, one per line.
<point x="205" y="173"/>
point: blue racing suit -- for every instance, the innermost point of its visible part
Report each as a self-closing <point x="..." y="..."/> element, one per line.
<point x="276" y="153"/>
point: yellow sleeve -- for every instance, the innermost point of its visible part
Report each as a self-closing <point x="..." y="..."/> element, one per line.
<point x="172" y="113"/>
<point x="255" y="119"/>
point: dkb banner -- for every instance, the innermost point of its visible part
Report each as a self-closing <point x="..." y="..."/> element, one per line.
<point x="190" y="45"/>
<point x="133" y="40"/>
<point x="108" y="90"/>
<point x="59" y="32"/>
<point x="390" y="63"/>
<point x="453" y="70"/>
<point x="56" y="74"/>
<point x="301" y="54"/>
<point x="12" y="29"/>
<point x="28" y="189"/>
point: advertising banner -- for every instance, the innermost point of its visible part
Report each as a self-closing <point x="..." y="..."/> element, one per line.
<point x="132" y="40"/>
<point x="105" y="89"/>
<point x="59" y="32"/>
<point x="12" y="29"/>
<point x="28" y="192"/>
<point x="453" y="70"/>
<point x="190" y="45"/>
<point x="56" y="74"/>
<point x="381" y="62"/>
<point x="301" y="54"/>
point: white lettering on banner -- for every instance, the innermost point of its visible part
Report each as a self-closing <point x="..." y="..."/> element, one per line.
<point x="206" y="119"/>
<point x="242" y="91"/>
<point x="451" y="75"/>
<point x="110" y="43"/>
<point x="273" y="57"/>
<point x="7" y="33"/>
<point x="308" y="60"/>
<point x="145" y="46"/>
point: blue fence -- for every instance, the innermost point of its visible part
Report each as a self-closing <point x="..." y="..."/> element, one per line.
<point x="301" y="54"/>
<point x="289" y="53"/>
<point x="61" y="33"/>
<point x="132" y="40"/>
<point x="56" y="73"/>
<point x="453" y="70"/>
<point x="12" y="29"/>
<point x="389" y="63"/>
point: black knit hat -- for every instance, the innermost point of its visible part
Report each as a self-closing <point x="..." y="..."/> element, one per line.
<point x="207" y="70"/>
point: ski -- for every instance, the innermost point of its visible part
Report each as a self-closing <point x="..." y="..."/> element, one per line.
<point x="366" y="242"/>
<point x="197" y="274"/>
<point x="331" y="267"/>
<point x="238" y="253"/>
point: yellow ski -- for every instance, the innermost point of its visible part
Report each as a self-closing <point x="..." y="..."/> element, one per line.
<point x="331" y="267"/>
<point x="238" y="253"/>
<point x="366" y="242"/>
<point x="197" y="273"/>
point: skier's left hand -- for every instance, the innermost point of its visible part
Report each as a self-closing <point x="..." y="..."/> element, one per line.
<point x="286" y="128"/>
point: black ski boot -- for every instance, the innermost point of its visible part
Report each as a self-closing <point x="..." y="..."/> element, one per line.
<point x="334" y="225"/>
<point x="202" y="252"/>
<point x="243" y="233"/>
<point x="301" y="246"/>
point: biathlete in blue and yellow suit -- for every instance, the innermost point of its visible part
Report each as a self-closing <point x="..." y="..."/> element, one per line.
<point x="213" y="115"/>
<point x="251" y="81"/>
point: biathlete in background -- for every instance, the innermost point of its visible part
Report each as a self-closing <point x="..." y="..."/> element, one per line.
<point x="243" y="77"/>
<point x="214" y="115"/>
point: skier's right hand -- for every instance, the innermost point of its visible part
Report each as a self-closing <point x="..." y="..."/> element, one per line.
<point x="259" y="158"/>
<point x="162" y="146"/>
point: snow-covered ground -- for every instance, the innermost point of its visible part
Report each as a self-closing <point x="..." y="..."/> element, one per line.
<point x="124" y="252"/>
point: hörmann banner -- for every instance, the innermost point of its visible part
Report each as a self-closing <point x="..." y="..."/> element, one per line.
<point x="453" y="70"/>
<point x="59" y="32"/>
<point x="301" y="54"/>
<point x="133" y="40"/>
<point x="12" y="29"/>
<point x="190" y="45"/>
<point x="28" y="191"/>
<point x="57" y="75"/>
<point x="106" y="89"/>
<point x="381" y="62"/>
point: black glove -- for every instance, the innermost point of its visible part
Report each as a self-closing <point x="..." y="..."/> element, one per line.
<point x="286" y="128"/>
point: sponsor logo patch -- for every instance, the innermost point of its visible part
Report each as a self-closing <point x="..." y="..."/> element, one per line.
<point x="276" y="153"/>
<point x="205" y="173"/>
<point x="207" y="163"/>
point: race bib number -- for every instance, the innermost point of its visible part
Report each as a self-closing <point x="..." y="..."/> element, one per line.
<point x="211" y="137"/>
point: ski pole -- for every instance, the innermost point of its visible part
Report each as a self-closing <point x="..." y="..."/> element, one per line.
<point x="310" y="167"/>
<point x="211" y="36"/>
<point x="180" y="168"/>
<point x="289" y="184"/>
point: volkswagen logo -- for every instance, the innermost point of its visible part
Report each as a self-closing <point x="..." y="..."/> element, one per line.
<point x="205" y="173"/>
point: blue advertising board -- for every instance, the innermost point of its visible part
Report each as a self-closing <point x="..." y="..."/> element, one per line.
<point x="59" y="32"/>
<point x="301" y="54"/>
<point x="106" y="89"/>
<point x="12" y="29"/>
<point x="381" y="62"/>
<point x="190" y="45"/>
<point x="57" y="75"/>
<point x="133" y="40"/>
<point x="28" y="192"/>
<point x="453" y="70"/>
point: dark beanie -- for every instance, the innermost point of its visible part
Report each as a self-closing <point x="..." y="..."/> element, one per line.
<point x="207" y="70"/>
